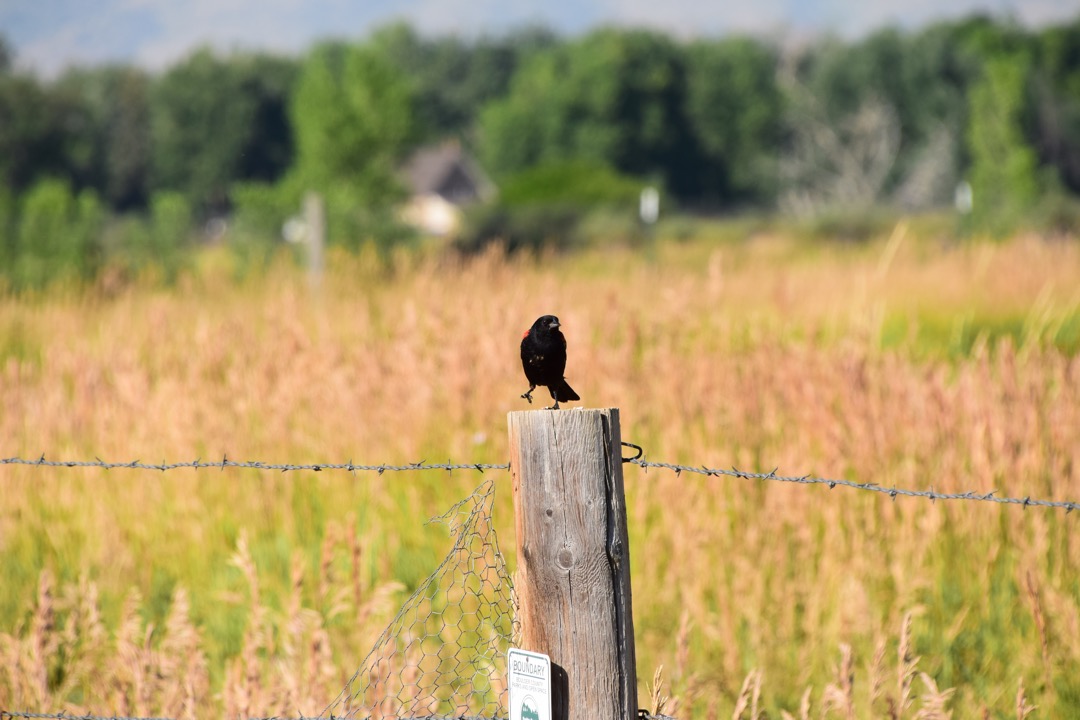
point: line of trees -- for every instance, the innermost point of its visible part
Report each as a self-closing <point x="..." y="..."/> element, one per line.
<point x="898" y="118"/>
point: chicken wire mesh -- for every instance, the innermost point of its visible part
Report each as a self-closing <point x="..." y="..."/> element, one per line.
<point x="444" y="654"/>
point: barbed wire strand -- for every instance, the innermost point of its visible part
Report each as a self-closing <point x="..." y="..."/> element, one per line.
<point x="893" y="492"/>
<point x="225" y="462"/>
<point x="639" y="460"/>
<point x="69" y="716"/>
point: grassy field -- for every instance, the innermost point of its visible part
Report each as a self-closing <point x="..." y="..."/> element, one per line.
<point x="910" y="360"/>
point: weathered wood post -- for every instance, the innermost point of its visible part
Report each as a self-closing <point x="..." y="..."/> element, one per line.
<point x="573" y="575"/>
<point x="315" y="221"/>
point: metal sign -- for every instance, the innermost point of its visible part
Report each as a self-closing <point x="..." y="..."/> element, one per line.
<point x="529" y="680"/>
<point x="650" y="205"/>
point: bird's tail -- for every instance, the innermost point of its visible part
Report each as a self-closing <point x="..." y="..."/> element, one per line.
<point x="564" y="393"/>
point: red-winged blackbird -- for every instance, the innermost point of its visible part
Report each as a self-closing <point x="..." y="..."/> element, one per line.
<point x="543" y="356"/>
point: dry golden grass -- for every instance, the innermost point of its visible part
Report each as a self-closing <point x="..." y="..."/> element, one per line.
<point x="192" y="594"/>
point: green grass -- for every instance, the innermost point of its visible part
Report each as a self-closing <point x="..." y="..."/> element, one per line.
<point x="931" y="335"/>
<point x="901" y="361"/>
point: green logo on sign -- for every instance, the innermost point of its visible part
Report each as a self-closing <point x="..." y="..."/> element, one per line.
<point x="528" y="709"/>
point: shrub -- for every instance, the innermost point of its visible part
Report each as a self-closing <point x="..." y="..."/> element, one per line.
<point x="577" y="182"/>
<point x="57" y="237"/>
<point x="559" y="205"/>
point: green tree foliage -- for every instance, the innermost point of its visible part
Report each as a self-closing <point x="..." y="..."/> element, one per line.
<point x="841" y="82"/>
<point x="127" y="152"/>
<point x="1057" y="101"/>
<point x="46" y="215"/>
<point x="921" y="79"/>
<point x="57" y="236"/>
<point x="614" y="97"/>
<point x="894" y="117"/>
<point x="215" y="121"/>
<point x="33" y="137"/>
<point x="154" y="244"/>
<point x="573" y="182"/>
<point x="1003" y="172"/>
<point x="170" y="232"/>
<point x="112" y="150"/>
<point x="454" y="78"/>
<point x="938" y="66"/>
<point x="353" y="114"/>
<point x="8" y="218"/>
<point x="5" y="55"/>
<point x="261" y="210"/>
<point x="735" y="107"/>
<point x="843" y="135"/>
<point x="557" y="204"/>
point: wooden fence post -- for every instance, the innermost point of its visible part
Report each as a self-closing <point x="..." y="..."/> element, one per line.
<point x="315" y="220"/>
<point x="573" y="574"/>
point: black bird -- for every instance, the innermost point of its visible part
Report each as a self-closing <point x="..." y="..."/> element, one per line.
<point x="543" y="356"/>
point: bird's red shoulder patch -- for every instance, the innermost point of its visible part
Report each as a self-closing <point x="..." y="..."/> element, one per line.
<point x="525" y="335"/>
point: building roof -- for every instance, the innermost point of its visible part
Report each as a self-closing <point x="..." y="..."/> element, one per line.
<point x="448" y="171"/>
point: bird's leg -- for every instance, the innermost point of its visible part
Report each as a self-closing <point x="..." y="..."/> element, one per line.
<point x="528" y="395"/>
<point x="554" y="407"/>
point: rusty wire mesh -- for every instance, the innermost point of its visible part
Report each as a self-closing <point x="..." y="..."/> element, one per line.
<point x="444" y="654"/>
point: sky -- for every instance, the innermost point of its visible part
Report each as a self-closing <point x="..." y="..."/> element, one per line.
<point x="49" y="35"/>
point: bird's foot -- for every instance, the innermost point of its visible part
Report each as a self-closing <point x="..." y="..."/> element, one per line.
<point x="528" y="395"/>
<point x="554" y="407"/>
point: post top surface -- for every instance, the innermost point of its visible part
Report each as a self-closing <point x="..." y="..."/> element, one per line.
<point x="565" y="410"/>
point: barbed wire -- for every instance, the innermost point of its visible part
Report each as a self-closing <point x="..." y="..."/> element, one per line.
<point x="69" y="716"/>
<point x="64" y="716"/>
<point x="892" y="492"/>
<point x="639" y="460"/>
<point x="379" y="679"/>
<point x="225" y="462"/>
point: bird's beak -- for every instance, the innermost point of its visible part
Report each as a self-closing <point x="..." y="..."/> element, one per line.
<point x="554" y="324"/>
